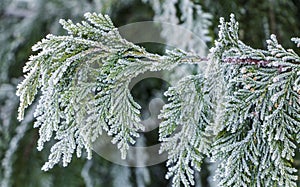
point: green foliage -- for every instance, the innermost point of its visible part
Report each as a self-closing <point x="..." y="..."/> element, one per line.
<point x="185" y="133"/>
<point x="261" y="120"/>
<point x="252" y="100"/>
<point x="84" y="79"/>
<point x="23" y="23"/>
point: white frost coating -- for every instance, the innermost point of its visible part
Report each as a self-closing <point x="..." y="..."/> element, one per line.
<point x="186" y="114"/>
<point x="243" y="70"/>
<point x="69" y="69"/>
<point x="255" y="127"/>
<point x="297" y="41"/>
<point x="258" y="121"/>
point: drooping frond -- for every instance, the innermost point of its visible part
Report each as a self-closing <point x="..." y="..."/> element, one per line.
<point x="184" y="131"/>
<point x="84" y="78"/>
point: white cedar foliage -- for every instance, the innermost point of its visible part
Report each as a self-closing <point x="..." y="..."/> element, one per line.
<point x="260" y="124"/>
<point x="250" y="96"/>
<point x="184" y="133"/>
<point x="84" y="78"/>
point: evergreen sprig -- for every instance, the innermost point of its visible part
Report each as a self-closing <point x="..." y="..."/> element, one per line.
<point x="248" y="98"/>
<point x="84" y="79"/>
<point x="185" y="131"/>
<point x="261" y="115"/>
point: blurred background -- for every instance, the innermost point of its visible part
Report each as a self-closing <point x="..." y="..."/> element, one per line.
<point x="24" y="22"/>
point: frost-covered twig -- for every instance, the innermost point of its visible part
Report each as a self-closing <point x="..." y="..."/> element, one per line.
<point x="244" y="110"/>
